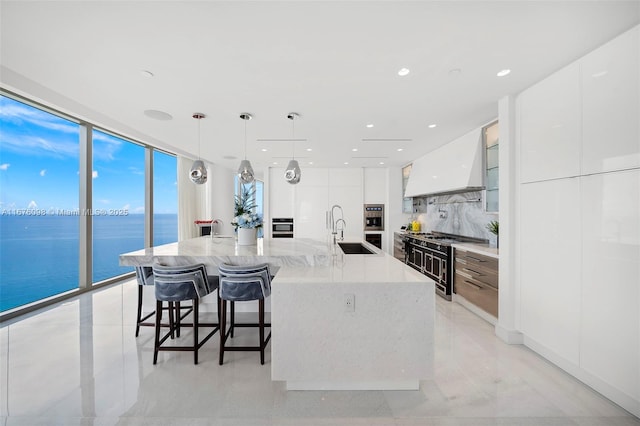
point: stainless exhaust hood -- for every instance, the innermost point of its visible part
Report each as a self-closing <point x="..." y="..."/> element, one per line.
<point x="454" y="167"/>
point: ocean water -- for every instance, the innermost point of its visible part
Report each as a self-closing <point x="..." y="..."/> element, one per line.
<point x="39" y="254"/>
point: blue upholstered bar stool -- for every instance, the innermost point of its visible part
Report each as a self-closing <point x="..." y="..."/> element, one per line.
<point x="240" y="284"/>
<point x="175" y="284"/>
<point x="144" y="277"/>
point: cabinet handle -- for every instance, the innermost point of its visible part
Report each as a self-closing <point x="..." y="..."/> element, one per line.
<point x="475" y="272"/>
<point x="465" y="275"/>
<point x="476" y="287"/>
<point x="476" y="259"/>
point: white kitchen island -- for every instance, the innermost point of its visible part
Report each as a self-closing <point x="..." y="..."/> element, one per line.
<point x="384" y="341"/>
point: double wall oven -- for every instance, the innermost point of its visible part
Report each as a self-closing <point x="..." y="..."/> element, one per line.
<point x="431" y="254"/>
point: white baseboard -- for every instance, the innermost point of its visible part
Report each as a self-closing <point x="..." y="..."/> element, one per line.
<point x="624" y="400"/>
<point x="509" y="336"/>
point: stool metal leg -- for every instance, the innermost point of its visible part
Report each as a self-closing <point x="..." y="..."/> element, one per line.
<point x="223" y="329"/>
<point x="261" y="326"/>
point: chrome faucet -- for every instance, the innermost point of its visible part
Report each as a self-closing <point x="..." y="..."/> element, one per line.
<point x="334" y="223"/>
<point x="344" y="225"/>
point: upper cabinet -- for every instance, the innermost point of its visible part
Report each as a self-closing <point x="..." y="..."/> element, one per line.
<point x="490" y="135"/>
<point x="585" y="118"/>
<point x="550" y="127"/>
<point x="610" y="112"/>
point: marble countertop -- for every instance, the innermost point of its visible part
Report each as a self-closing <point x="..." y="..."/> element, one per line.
<point x="478" y="248"/>
<point x="354" y="268"/>
<point x="306" y="260"/>
<point x="226" y="246"/>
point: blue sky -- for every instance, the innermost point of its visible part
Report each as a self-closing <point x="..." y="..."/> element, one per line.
<point x="39" y="165"/>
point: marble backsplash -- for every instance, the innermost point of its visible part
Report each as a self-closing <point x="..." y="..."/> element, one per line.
<point x="459" y="214"/>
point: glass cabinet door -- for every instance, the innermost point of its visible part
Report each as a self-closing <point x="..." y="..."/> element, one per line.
<point x="407" y="202"/>
<point x="492" y="146"/>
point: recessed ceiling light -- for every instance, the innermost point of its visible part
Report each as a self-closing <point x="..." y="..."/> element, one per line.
<point x="455" y="71"/>
<point x="382" y="162"/>
<point x="403" y="71"/>
<point x="431" y="126"/>
<point x="600" y="74"/>
<point x="146" y="73"/>
<point x="157" y="115"/>
<point x="400" y="149"/>
<point x="230" y="157"/>
<point x="264" y="149"/>
<point x="275" y="163"/>
<point x="354" y="149"/>
<point x="369" y="125"/>
<point x="346" y="162"/>
<point x="503" y="72"/>
<point x="311" y="163"/>
<point x="309" y="149"/>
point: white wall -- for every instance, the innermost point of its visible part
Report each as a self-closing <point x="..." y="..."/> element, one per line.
<point x="578" y="192"/>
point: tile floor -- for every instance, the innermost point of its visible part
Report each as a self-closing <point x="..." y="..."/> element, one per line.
<point x="80" y="364"/>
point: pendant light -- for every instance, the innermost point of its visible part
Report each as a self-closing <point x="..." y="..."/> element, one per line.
<point x="292" y="173"/>
<point x="198" y="172"/>
<point x="245" y="171"/>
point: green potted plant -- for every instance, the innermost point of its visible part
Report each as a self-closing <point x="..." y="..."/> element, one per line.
<point x="494" y="228"/>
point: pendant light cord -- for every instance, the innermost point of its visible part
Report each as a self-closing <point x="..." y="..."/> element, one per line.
<point x="245" y="139"/>
<point x="198" y="138"/>
<point x="293" y="136"/>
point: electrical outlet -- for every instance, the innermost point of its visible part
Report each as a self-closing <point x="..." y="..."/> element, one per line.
<point x="349" y="302"/>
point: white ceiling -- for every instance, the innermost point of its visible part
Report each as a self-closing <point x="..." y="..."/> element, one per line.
<point x="335" y="63"/>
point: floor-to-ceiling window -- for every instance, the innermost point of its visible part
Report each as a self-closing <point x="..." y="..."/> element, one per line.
<point x="40" y="198"/>
<point x="39" y="183"/>
<point x="165" y="198"/>
<point x="118" y="202"/>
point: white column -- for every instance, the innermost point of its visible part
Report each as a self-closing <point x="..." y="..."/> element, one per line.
<point x="506" y="327"/>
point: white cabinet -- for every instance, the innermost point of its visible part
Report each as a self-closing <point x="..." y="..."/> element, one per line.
<point x="610" y="332"/>
<point x="611" y="114"/>
<point x="375" y="186"/>
<point x="550" y="127"/>
<point x="550" y="265"/>
<point x="346" y="190"/>
<point x="310" y="209"/>
<point x="281" y="194"/>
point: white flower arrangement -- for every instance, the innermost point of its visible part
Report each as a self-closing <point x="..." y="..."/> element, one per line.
<point x="245" y="217"/>
<point x="247" y="220"/>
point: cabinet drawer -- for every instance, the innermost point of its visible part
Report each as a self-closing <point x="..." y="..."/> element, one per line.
<point x="477" y="273"/>
<point x="477" y="260"/>
<point x="483" y="296"/>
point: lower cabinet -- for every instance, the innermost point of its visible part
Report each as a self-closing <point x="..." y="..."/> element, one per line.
<point x="398" y="246"/>
<point x="476" y="279"/>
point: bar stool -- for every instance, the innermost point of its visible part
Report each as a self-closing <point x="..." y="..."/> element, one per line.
<point x="144" y="277"/>
<point x="239" y="284"/>
<point x="174" y="284"/>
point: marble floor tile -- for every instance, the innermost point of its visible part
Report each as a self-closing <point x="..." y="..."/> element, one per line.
<point x="79" y="363"/>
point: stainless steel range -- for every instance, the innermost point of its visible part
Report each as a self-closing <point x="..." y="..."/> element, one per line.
<point x="431" y="254"/>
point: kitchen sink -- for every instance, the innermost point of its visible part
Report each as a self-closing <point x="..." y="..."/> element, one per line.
<point x="354" y="248"/>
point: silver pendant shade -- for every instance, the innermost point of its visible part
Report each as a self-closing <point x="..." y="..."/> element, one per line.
<point x="245" y="171"/>
<point x="293" y="173"/>
<point x="198" y="172"/>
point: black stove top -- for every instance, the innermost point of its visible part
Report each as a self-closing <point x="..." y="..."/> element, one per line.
<point x="442" y="238"/>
